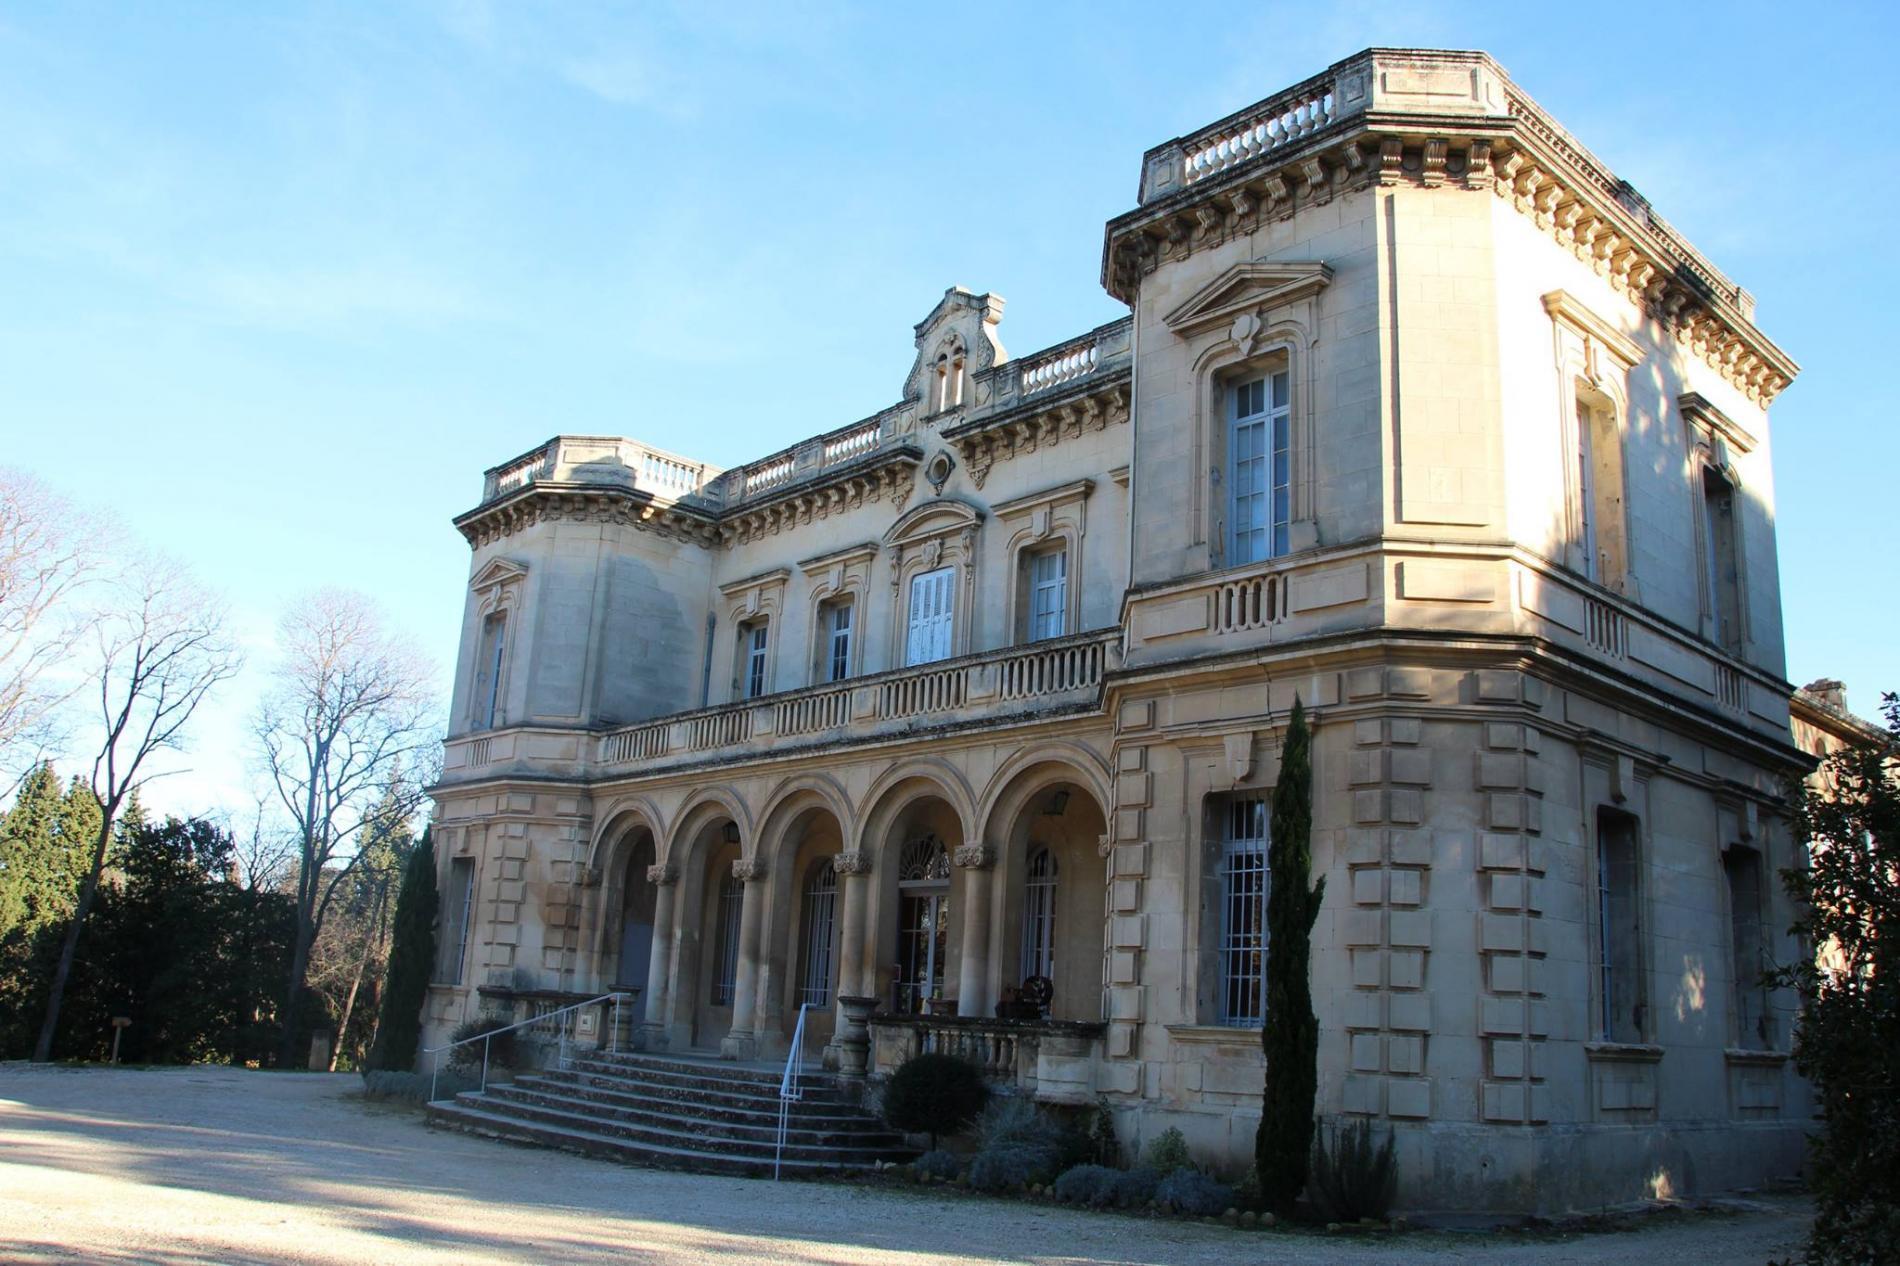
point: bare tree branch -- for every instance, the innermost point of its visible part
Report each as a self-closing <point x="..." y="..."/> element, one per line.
<point x="159" y="648"/>
<point x="352" y="708"/>
<point x="48" y="552"/>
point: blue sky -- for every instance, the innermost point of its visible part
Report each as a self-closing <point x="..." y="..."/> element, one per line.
<point x="278" y="281"/>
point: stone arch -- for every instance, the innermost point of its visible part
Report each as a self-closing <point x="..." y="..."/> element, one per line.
<point x="706" y="805"/>
<point x="1031" y="807"/>
<point x="806" y="816"/>
<point x="929" y="796"/>
<point x="903" y="783"/>
<point x="699" y="854"/>
<point x="621" y="814"/>
<point x="627" y="841"/>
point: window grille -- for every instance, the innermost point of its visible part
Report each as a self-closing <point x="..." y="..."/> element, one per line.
<point x="1261" y="467"/>
<point x="1048" y="593"/>
<point x="1243" y="933"/>
<point x="1619" y="928"/>
<point x="1039" y="916"/>
<point x="821" y="903"/>
<point x="462" y="910"/>
<point x="726" y="967"/>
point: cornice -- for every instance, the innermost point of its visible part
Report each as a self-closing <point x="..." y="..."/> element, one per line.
<point x="893" y="475"/>
<point x="1697" y="411"/>
<point x="1043" y="423"/>
<point x="1519" y="154"/>
<point x="583" y="503"/>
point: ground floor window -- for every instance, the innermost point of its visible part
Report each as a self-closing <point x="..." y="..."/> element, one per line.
<point x="726" y="965"/>
<point x="1039" y="916"/>
<point x="821" y="903"/>
<point x="1243" y="898"/>
<point x="923" y="923"/>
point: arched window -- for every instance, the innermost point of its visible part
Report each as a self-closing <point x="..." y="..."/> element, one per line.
<point x="726" y="966"/>
<point x="821" y="903"/>
<point x="923" y="923"/>
<point x="1039" y="916"/>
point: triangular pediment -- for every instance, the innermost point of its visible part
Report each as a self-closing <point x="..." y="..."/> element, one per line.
<point x="497" y="572"/>
<point x="1255" y="287"/>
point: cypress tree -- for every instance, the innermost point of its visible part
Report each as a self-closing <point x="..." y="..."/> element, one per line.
<point x="411" y="962"/>
<point x="1290" y="1037"/>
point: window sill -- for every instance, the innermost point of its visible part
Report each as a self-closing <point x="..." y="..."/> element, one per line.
<point x="1764" y="1059"/>
<point x="1623" y="1052"/>
<point x="1216" y="1034"/>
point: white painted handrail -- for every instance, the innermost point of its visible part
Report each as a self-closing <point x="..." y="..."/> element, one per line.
<point x="789" y="1089"/>
<point x="565" y="1028"/>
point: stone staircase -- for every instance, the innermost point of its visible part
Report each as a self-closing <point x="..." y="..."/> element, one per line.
<point x="700" y="1115"/>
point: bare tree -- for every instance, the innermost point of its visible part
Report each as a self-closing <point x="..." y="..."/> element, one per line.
<point x="160" y="650"/>
<point x="47" y="552"/>
<point x="352" y="706"/>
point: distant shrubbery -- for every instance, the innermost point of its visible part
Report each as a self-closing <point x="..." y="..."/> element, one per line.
<point x="390" y="1086"/>
<point x="503" y="1050"/>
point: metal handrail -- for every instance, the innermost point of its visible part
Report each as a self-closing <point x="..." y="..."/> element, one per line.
<point x="566" y="1027"/>
<point x="789" y="1089"/>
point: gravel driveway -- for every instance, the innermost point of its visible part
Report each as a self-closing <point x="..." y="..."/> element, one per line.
<point x="222" y="1165"/>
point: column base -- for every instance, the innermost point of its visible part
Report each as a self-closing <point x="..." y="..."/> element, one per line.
<point x="743" y="1047"/>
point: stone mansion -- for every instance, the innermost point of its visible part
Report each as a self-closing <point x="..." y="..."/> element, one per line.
<point x="968" y="712"/>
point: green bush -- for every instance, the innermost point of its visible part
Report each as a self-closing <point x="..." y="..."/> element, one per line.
<point x="937" y="1164"/>
<point x="1007" y="1168"/>
<point x="1166" y="1152"/>
<point x="503" y="1051"/>
<point x="1134" y="1188"/>
<point x="1097" y="1186"/>
<point x="1104" y="1147"/>
<point x="1353" y="1177"/>
<point x="934" y="1095"/>
<point x="1188" y="1190"/>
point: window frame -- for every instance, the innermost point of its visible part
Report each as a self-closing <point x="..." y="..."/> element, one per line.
<point x="1037" y="615"/>
<point x="1274" y="422"/>
<point x="1232" y="944"/>
<point x="1610" y="968"/>
<point x="452" y="970"/>
<point x="754" y="644"/>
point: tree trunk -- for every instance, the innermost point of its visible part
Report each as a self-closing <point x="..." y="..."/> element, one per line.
<point x="69" y="947"/>
<point x="349" y="1005"/>
<point x="293" y="995"/>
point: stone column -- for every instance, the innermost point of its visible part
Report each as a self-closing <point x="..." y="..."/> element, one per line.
<point x="741" y="1042"/>
<point x="653" y="1026"/>
<point x="973" y="968"/>
<point x="854" y="873"/>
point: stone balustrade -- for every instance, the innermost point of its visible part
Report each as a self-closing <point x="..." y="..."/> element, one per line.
<point x="1275" y="122"/>
<point x="600" y="459"/>
<point x="1053" y="1060"/>
<point x="997" y="686"/>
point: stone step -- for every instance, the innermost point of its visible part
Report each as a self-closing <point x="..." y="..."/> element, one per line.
<point x="835" y="1132"/>
<point x="737" y="1099"/>
<point x="679" y="1142"/>
<point x="612" y="1093"/>
<point x="707" y="1075"/>
<point x="459" y="1116"/>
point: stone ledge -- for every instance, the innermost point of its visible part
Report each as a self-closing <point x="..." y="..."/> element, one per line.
<point x="1623" y="1052"/>
<point x="1215" y="1035"/>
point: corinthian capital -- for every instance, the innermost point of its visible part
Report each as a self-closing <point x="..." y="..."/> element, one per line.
<point x="748" y="869"/>
<point x="852" y="863"/>
<point x="975" y="856"/>
<point x="663" y="874"/>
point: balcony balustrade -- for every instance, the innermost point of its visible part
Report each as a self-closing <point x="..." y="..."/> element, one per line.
<point x="1053" y="1060"/>
<point x="1003" y="685"/>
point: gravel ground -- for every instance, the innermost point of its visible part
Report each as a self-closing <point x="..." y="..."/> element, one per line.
<point x="221" y="1165"/>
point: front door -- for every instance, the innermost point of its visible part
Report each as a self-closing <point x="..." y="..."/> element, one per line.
<point x="923" y="923"/>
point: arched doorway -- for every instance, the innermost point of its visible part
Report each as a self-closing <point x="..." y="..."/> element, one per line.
<point x="634" y="944"/>
<point x="923" y="925"/>
<point x="1049" y="827"/>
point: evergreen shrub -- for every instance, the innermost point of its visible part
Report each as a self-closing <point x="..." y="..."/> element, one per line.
<point x="1188" y="1190"/>
<point x="934" y="1095"/>
<point x="1166" y="1152"/>
<point x="503" y="1051"/>
<point x="1352" y="1176"/>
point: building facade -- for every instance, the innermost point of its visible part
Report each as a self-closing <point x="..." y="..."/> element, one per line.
<point x="1419" y="415"/>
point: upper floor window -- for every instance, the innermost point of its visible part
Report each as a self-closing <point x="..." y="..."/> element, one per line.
<point x="1048" y="584"/>
<point x="834" y="631"/>
<point x="949" y="381"/>
<point x="931" y="619"/>
<point x="1601" y="536"/>
<point x="1260" y="466"/>
<point x="1721" y="560"/>
<point x="490" y="654"/>
<point x="752" y="646"/>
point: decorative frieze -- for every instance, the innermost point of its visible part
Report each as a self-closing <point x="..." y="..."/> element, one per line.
<point x="1038" y="427"/>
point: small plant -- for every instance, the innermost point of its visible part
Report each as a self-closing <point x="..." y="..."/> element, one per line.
<point x="502" y="1050"/>
<point x="1247" y="1194"/>
<point x="1016" y="1144"/>
<point x="1166" y="1152"/>
<point x="1096" y="1186"/>
<point x="934" y="1095"/>
<point x="938" y="1164"/>
<point x="1106" y="1147"/>
<point x="1188" y="1190"/>
<point x="1352" y="1176"/>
